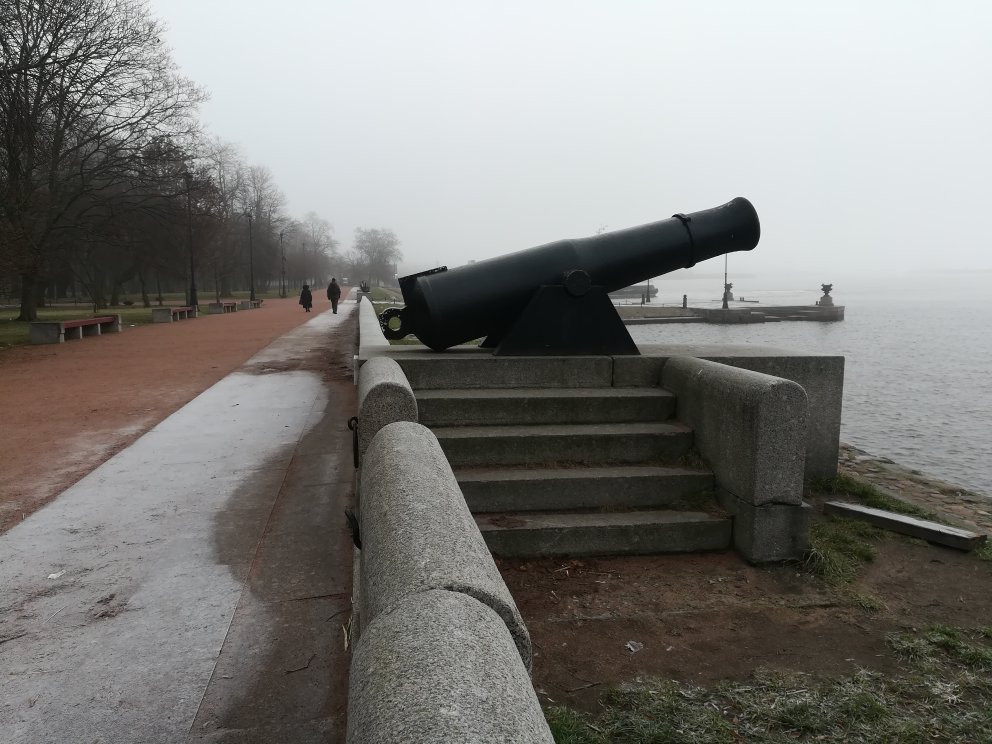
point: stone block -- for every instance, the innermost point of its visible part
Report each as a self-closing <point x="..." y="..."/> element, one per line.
<point x="441" y="667"/>
<point x="116" y="326"/>
<point x="161" y="315"/>
<point x="769" y="533"/>
<point x="371" y="341"/>
<point x="471" y="367"/>
<point x="418" y="534"/>
<point x="501" y="489"/>
<point x="515" y="406"/>
<point x="750" y="427"/>
<point x="542" y="534"/>
<point x="42" y="332"/>
<point x="637" y="371"/>
<point x="384" y="397"/>
<point x="602" y="444"/>
<point x="941" y="534"/>
<point x="821" y="376"/>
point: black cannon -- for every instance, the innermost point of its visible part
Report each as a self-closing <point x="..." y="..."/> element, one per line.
<point x="553" y="299"/>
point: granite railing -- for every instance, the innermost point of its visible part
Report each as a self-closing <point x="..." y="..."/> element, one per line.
<point x="751" y="429"/>
<point x="440" y="651"/>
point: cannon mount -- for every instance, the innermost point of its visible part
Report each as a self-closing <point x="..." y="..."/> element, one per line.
<point x="568" y="319"/>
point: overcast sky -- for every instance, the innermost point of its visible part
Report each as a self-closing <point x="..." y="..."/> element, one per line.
<point x="861" y="131"/>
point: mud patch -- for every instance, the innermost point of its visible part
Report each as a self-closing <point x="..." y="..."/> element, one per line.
<point x="707" y="618"/>
<point x="108" y="606"/>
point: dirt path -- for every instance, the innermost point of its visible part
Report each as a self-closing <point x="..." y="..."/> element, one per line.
<point x="67" y="408"/>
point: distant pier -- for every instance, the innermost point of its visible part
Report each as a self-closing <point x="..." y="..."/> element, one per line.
<point x="645" y="314"/>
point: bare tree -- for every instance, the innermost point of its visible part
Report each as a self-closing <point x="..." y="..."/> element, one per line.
<point x="223" y="167"/>
<point x="85" y="86"/>
<point x="262" y="198"/>
<point x="375" y="254"/>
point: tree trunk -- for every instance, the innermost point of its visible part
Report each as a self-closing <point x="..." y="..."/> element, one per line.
<point x="97" y="295"/>
<point x="29" y="297"/>
<point x="145" y="301"/>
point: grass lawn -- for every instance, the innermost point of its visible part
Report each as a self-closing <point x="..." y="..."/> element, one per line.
<point x="384" y="294"/>
<point x="944" y="693"/>
<point x="15" y="333"/>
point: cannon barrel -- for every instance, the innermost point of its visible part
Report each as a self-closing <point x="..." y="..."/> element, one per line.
<point x="448" y="307"/>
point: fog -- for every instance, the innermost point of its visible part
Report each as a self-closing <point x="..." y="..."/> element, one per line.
<point x="860" y="131"/>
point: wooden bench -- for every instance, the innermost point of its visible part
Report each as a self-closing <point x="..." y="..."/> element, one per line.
<point x="225" y="306"/>
<point x="60" y="331"/>
<point x="170" y="314"/>
<point x="250" y="304"/>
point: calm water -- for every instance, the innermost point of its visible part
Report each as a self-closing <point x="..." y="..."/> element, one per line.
<point x="918" y="383"/>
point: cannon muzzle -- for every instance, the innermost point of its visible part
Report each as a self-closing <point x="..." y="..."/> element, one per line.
<point x="448" y="307"/>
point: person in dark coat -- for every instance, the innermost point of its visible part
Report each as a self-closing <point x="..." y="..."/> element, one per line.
<point x="334" y="294"/>
<point x="306" y="299"/>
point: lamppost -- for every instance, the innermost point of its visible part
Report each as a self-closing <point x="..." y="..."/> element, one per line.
<point x="282" y="285"/>
<point x="188" y="178"/>
<point x="251" y="262"/>
<point x="726" y="291"/>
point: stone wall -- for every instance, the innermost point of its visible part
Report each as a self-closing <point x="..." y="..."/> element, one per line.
<point x="821" y="376"/>
<point x="751" y="429"/>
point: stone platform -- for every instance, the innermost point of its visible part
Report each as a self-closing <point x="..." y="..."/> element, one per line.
<point x="821" y="376"/>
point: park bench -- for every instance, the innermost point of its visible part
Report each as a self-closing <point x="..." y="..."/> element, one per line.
<point x="170" y="314"/>
<point x="60" y="331"/>
<point x="249" y="304"/>
<point x="225" y="306"/>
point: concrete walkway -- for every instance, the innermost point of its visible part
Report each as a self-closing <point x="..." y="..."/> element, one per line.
<point x="194" y="587"/>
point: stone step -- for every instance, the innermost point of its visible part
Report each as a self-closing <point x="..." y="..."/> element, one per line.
<point x="464" y="367"/>
<point x="543" y="406"/>
<point x="546" y="489"/>
<point x="591" y="444"/>
<point x="535" y="534"/>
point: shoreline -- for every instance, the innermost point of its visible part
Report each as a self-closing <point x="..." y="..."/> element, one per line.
<point x="955" y="504"/>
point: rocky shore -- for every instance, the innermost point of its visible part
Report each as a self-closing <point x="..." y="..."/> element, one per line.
<point x="956" y="505"/>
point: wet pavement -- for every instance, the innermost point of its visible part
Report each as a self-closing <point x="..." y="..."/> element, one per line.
<point x="195" y="586"/>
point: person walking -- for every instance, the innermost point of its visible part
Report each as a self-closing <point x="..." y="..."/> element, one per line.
<point x="334" y="294"/>
<point x="306" y="299"/>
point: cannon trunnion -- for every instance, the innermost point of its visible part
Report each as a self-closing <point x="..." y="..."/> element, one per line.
<point x="553" y="299"/>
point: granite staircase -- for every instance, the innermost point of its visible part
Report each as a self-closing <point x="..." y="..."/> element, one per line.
<point x="553" y="468"/>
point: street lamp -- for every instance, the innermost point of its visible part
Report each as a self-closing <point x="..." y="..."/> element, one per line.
<point x="282" y="285"/>
<point x="188" y="178"/>
<point x="251" y="262"/>
<point x="726" y="289"/>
